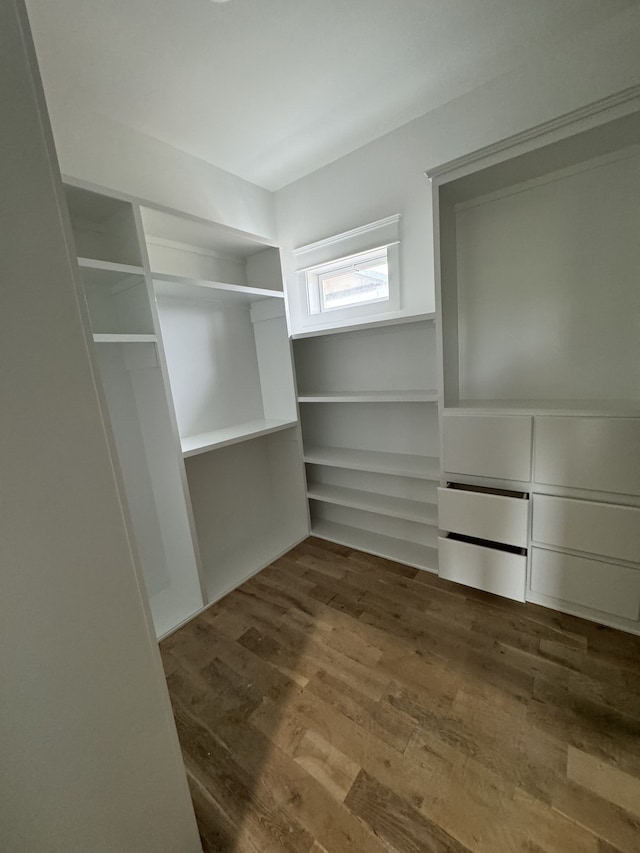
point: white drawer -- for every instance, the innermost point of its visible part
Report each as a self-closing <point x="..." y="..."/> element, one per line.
<point x="601" y="454"/>
<point x="589" y="583"/>
<point x="598" y="528"/>
<point x="497" y="446"/>
<point x="484" y="516"/>
<point x="490" y="569"/>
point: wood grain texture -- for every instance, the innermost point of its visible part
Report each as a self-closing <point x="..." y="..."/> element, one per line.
<point x="341" y="703"/>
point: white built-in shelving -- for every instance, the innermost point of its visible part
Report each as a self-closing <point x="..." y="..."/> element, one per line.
<point x="370" y="431"/>
<point x="415" y="396"/>
<point x="192" y="445"/>
<point x="197" y="380"/>
<point x="221" y="313"/>
<point x="537" y="257"/>
<point x="375" y="461"/>
<point x="412" y="554"/>
<point x="111" y="259"/>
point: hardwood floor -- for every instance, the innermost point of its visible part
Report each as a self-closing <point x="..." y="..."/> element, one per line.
<point x="341" y="703"/>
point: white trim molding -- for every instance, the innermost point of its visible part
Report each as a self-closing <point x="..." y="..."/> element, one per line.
<point x="383" y="232"/>
<point x="617" y="105"/>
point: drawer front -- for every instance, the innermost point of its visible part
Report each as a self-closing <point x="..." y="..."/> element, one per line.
<point x="489" y="569"/>
<point x="601" y="586"/>
<point x="605" y="529"/>
<point x="602" y="454"/>
<point x="488" y="446"/>
<point x="484" y="516"/>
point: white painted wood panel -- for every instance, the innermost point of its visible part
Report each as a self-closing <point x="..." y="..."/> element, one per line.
<point x="490" y="569"/>
<point x="548" y="294"/>
<point x="149" y="465"/>
<point x="484" y="516"/>
<point x="387" y="358"/>
<point x="589" y="583"/>
<point x="599" y="528"/>
<point x="249" y="506"/>
<point x="600" y="454"/>
<point x="407" y="428"/>
<point x="487" y="446"/>
<point x="409" y="553"/>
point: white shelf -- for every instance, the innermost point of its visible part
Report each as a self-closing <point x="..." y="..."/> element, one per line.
<point x="409" y="553"/>
<point x="124" y="339"/>
<point x="389" y="505"/>
<point x="354" y="327"/>
<point x="193" y="288"/>
<point x="192" y="445"/>
<point x="401" y="464"/>
<point x="619" y="408"/>
<point x="418" y="396"/>
<point x="109" y="267"/>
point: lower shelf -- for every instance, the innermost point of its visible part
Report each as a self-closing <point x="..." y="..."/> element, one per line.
<point x="402" y="464"/>
<point x="419" y="511"/>
<point x="192" y="445"/>
<point x="409" y="553"/>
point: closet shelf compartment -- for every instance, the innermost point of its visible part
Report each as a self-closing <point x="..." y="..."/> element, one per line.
<point x="192" y="445"/>
<point x="388" y="547"/>
<point x="182" y="287"/>
<point x="124" y="339"/>
<point x="389" y="505"/>
<point x="401" y="464"/>
<point x="417" y="396"/>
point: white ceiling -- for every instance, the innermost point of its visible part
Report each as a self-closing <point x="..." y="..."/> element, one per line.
<point x="271" y="90"/>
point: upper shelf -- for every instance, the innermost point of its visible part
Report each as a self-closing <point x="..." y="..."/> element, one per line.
<point x="107" y="273"/>
<point x="417" y="396"/>
<point x="192" y="445"/>
<point x="193" y="288"/>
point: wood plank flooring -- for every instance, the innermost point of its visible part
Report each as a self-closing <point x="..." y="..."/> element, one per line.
<point x="341" y="703"/>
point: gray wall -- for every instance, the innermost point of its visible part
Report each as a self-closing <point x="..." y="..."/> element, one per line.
<point x="89" y="755"/>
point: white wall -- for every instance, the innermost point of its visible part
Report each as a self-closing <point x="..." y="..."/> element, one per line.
<point x="98" y="150"/>
<point x="89" y="755"/>
<point x="387" y="176"/>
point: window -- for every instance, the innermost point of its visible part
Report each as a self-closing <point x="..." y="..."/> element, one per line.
<point x="348" y="282"/>
<point x="348" y="278"/>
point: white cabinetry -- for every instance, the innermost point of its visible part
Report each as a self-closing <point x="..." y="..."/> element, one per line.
<point x="370" y="425"/>
<point x="537" y="260"/>
<point x="121" y="315"/>
<point x="191" y="342"/>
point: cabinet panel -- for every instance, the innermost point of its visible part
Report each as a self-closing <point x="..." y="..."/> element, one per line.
<point x="484" y="516"/>
<point x="599" y="528"/>
<point x="601" y="454"/>
<point x="488" y="446"/>
<point x="490" y="569"/>
<point x="590" y="583"/>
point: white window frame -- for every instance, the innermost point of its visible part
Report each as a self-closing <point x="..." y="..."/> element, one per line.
<point x="335" y="252"/>
<point x="314" y="277"/>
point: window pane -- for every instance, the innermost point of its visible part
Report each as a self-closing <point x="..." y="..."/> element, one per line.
<point x="366" y="281"/>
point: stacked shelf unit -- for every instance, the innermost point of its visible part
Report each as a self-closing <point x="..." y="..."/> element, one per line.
<point x="537" y="259"/>
<point x="112" y="264"/>
<point x="198" y="388"/>
<point x="370" y="425"/>
<point x="221" y="312"/>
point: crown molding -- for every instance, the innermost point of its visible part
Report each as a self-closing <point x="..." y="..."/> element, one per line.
<point x="347" y="235"/>
<point x="556" y="124"/>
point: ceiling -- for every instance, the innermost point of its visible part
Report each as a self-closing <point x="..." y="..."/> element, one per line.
<point x="271" y="90"/>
